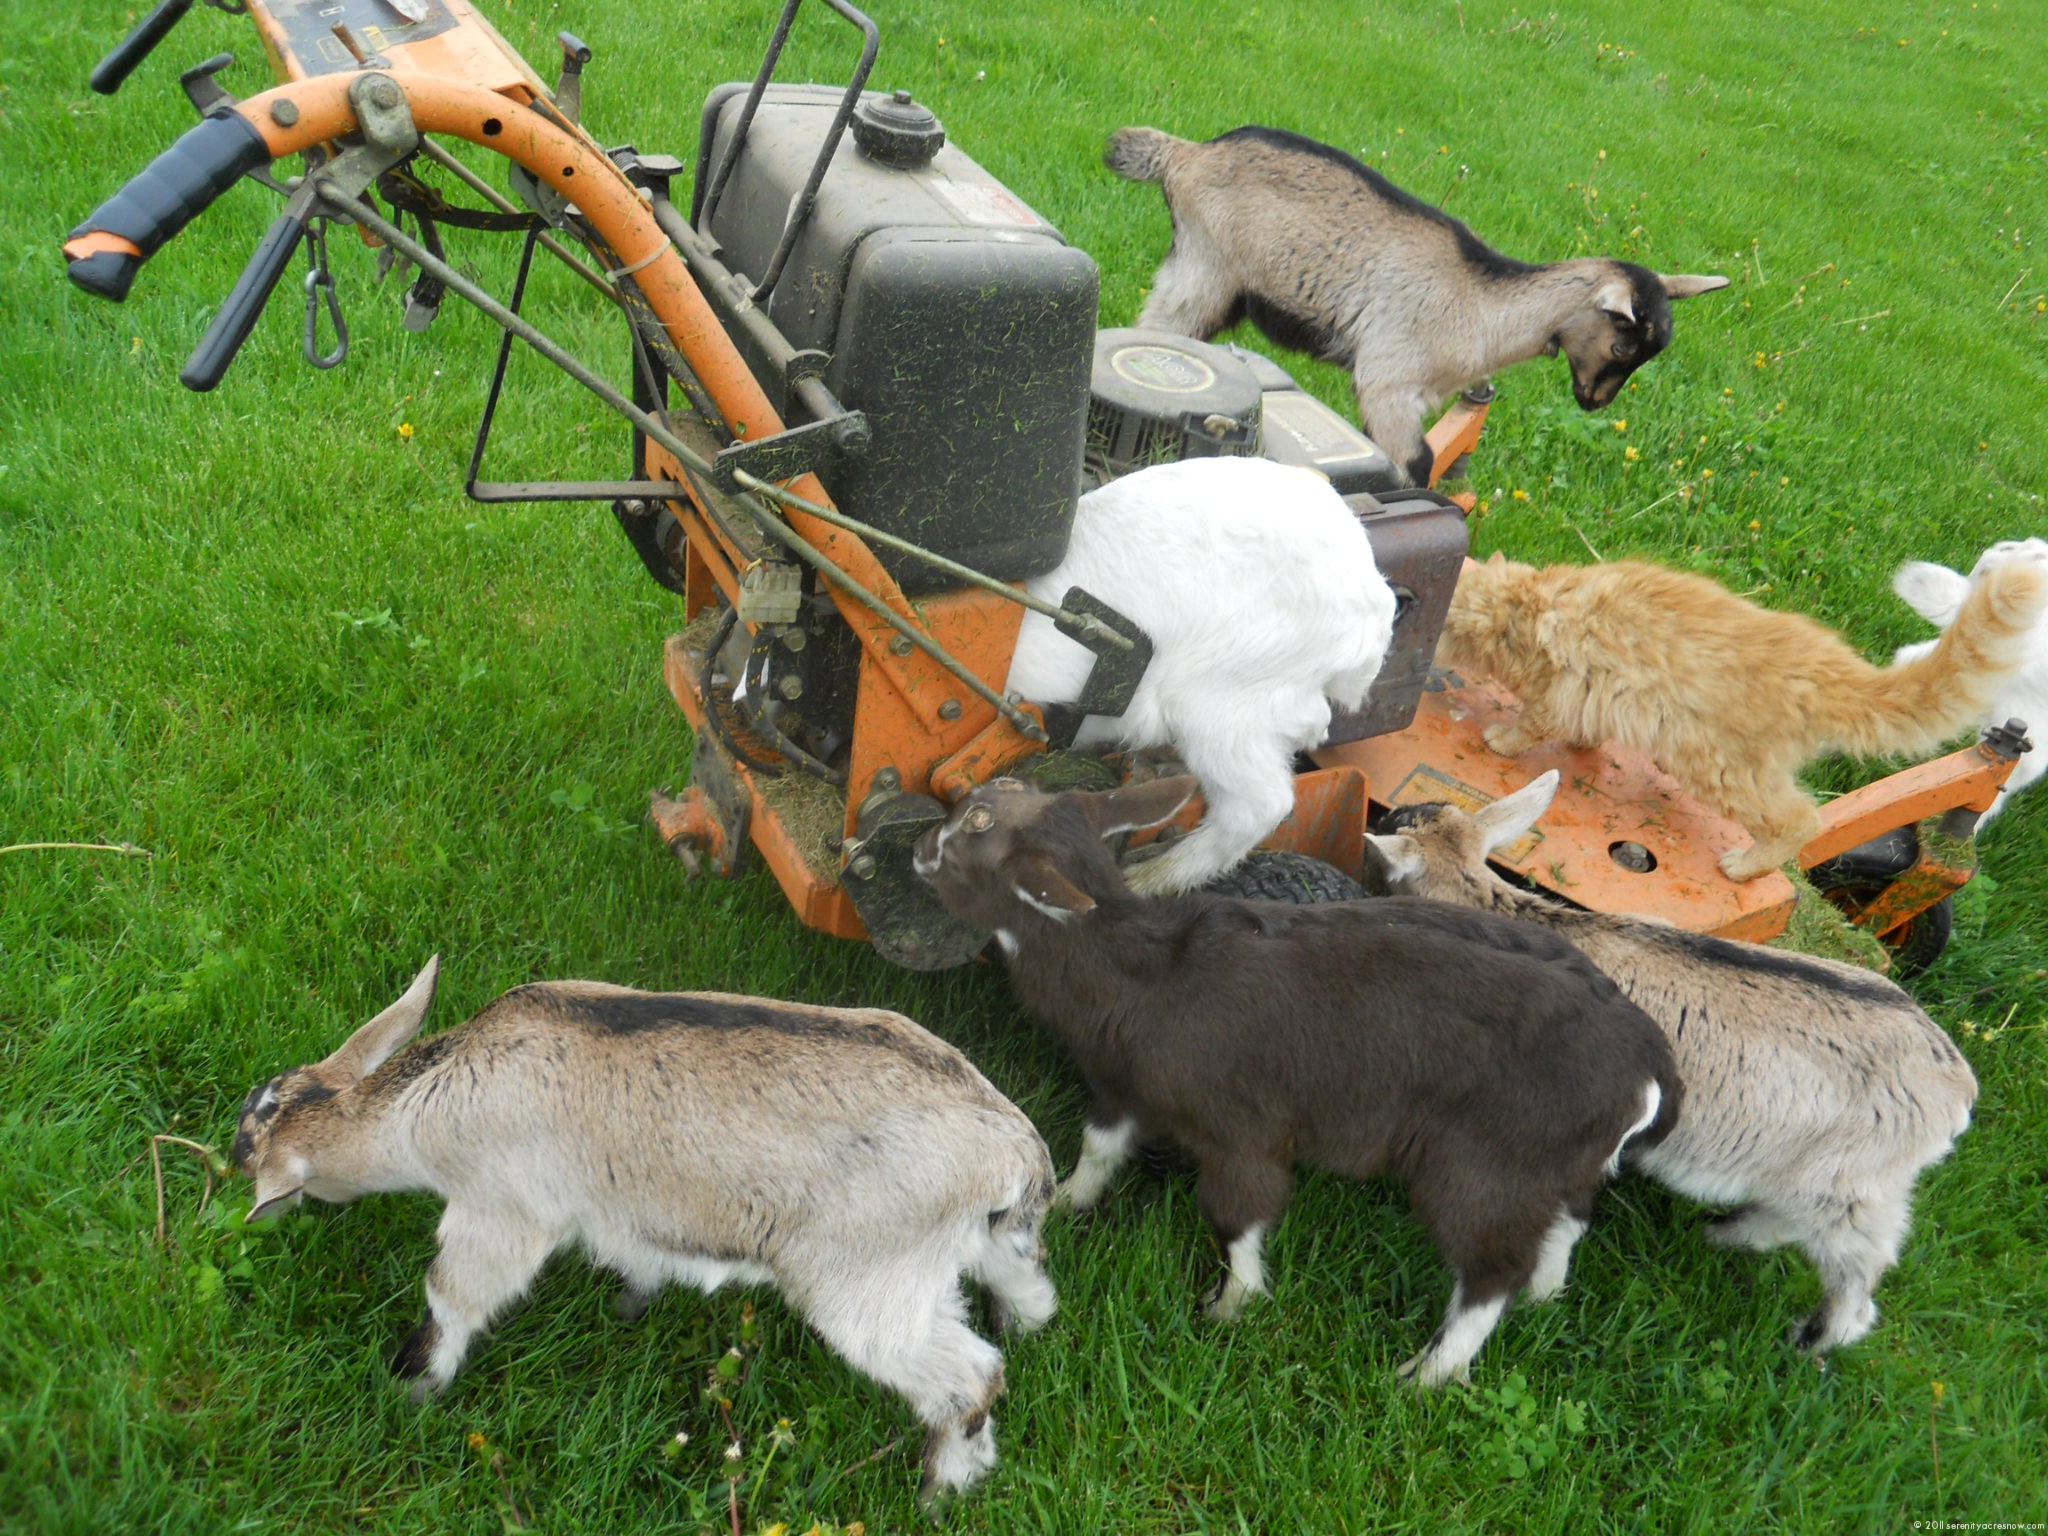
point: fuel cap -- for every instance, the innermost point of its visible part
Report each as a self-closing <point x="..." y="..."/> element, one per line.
<point x="897" y="130"/>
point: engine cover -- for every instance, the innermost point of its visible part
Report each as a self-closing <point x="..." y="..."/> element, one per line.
<point x="956" y="318"/>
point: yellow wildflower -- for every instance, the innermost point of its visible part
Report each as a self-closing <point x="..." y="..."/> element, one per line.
<point x="1629" y="453"/>
<point x="1520" y="494"/>
<point x="1755" y="526"/>
<point x="1621" y="425"/>
<point x="405" y="430"/>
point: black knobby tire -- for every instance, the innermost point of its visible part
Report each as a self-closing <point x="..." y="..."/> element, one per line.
<point x="1267" y="875"/>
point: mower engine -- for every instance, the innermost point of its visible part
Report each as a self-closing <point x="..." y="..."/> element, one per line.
<point x="934" y="301"/>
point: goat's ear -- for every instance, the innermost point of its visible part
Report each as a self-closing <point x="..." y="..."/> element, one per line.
<point x="1510" y="816"/>
<point x="1934" y="592"/>
<point x="1045" y="890"/>
<point x="377" y="1041"/>
<point x="1686" y="285"/>
<point x="1135" y="807"/>
<point x="1616" y="297"/>
<point x="1395" y="857"/>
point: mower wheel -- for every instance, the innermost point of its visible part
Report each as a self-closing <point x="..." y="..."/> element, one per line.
<point x="1268" y="875"/>
<point x="1917" y="942"/>
<point x="1855" y="879"/>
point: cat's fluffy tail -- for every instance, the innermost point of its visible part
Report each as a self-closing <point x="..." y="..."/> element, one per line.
<point x="1916" y="705"/>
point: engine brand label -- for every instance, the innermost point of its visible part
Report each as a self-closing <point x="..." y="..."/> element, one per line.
<point x="984" y="203"/>
<point x="1316" y="430"/>
<point x="1162" y="368"/>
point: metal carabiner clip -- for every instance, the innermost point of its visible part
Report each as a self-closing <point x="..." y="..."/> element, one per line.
<point x="320" y="277"/>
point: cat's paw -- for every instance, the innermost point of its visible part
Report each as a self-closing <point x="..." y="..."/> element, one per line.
<point x="1746" y="863"/>
<point x="1510" y="738"/>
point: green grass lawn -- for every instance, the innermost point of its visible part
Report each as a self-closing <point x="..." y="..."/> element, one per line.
<point x="356" y="719"/>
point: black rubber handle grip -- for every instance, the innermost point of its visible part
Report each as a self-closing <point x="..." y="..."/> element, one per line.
<point x="166" y="195"/>
<point x="237" y="318"/>
<point x="136" y="46"/>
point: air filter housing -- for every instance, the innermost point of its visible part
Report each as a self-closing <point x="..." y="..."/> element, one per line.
<point x="1157" y="398"/>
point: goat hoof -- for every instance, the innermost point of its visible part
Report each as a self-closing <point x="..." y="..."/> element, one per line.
<point x="629" y="1306"/>
<point x="424" y="1389"/>
<point x="1226" y="1300"/>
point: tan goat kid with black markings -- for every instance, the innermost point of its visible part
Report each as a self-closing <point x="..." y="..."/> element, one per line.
<point x="1325" y="254"/>
<point x="1815" y="1091"/>
<point x="845" y="1155"/>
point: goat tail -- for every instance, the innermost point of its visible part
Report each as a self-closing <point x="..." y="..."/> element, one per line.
<point x="1662" y="1096"/>
<point x="1916" y="705"/>
<point x="1141" y="154"/>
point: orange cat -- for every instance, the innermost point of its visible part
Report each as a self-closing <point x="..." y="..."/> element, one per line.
<point x="1729" y="697"/>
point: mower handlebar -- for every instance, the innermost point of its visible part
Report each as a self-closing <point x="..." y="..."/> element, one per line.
<point x="166" y="195"/>
<point x="135" y="47"/>
<point x="223" y="339"/>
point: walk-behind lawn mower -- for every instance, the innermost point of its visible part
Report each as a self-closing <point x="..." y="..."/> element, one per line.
<point x="866" y="389"/>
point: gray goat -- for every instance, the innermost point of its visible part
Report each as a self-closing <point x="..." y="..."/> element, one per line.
<point x="1326" y="255"/>
<point x="1815" y="1091"/>
<point x="848" y="1157"/>
<point x="1482" y="1061"/>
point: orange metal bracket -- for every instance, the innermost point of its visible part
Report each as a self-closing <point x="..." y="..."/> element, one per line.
<point x="1970" y="778"/>
<point x="1455" y="434"/>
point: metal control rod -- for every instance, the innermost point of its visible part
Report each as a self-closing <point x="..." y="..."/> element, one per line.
<point x="1090" y="626"/>
<point x="346" y="207"/>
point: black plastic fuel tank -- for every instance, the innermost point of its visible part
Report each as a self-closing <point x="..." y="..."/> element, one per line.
<point x="956" y="318"/>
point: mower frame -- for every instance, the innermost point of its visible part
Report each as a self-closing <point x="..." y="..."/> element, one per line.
<point x="743" y="490"/>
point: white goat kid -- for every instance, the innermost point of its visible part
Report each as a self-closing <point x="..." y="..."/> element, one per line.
<point x="1936" y="593"/>
<point x="1257" y="587"/>
<point x="844" y="1155"/>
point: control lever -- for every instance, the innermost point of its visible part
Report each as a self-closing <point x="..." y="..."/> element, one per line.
<point x="388" y="138"/>
<point x="108" y="74"/>
<point x="569" y="90"/>
<point x="209" y="361"/>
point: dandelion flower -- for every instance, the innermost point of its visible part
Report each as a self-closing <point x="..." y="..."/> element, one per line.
<point x="1629" y="453"/>
<point x="1939" y="1390"/>
<point x="476" y="1441"/>
<point x="1520" y="494"/>
<point x="405" y="431"/>
<point x="1755" y="526"/>
<point x="1621" y="425"/>
<point x="1706" y="474"/>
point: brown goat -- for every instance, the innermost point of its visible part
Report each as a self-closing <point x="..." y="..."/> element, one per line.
<point x="1484" y="1062"/>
